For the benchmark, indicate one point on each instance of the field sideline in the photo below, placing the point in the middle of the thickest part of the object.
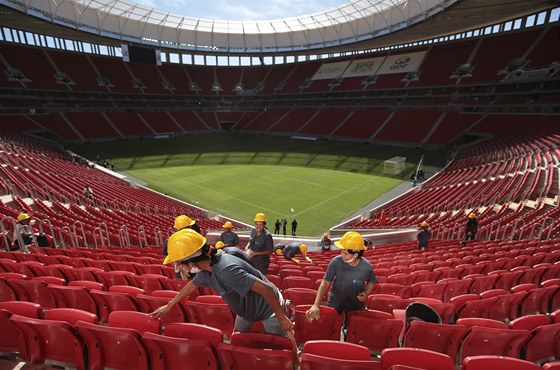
(238, 175)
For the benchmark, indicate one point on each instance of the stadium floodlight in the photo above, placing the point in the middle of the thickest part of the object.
(464, 70)
(138, 84)
(193, 86)
(168, 85)
(394, 166)
(63, 79)
(16, 75)
(217, 87)
(104, 82)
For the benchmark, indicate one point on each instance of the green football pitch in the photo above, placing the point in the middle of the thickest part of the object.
(318, 183)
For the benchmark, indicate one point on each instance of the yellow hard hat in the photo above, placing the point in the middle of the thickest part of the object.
(303, 248)
(325, 235)
(23, 216)
(228, 225)
(472, 215)
(278, 251)
(183, 221)
(424, 224)
(219, 245)
(183, 244)
(351, 240)
(260, 217)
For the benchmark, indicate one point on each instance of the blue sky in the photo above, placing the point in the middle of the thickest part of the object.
(240, 10)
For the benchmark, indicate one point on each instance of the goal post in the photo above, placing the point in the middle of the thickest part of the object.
(394, 166)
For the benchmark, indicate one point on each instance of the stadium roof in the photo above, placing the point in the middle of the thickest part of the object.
(356, 24)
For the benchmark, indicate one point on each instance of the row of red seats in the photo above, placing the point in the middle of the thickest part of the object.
(74, 337)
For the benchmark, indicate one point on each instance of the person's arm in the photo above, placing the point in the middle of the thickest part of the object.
(314, 312)
(363, 295)
(185, 292)
(267, 292)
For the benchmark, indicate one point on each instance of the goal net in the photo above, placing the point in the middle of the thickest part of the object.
(394, 166)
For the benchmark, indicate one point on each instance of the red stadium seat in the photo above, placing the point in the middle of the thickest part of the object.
(48, 339)
(33, 291)
(149, 304)
(73, 297)
(326, 328)
(439, 338)
(375, 330)
(108, 302)
(300, 296)
(217, 315)
(529, 322)
(491, 341)
(415, 357)
(497, 362)
(261, 341)
(236, 357)
(168, 353)
(110, 347)
(543, 345)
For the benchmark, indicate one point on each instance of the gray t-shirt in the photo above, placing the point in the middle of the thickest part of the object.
(229, 239)
(233, 279)
(291, 250)
(347, 282)
(261, 243)
(234, 251)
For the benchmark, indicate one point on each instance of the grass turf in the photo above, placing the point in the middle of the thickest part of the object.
(238, 175)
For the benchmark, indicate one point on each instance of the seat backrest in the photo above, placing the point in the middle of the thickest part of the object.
(376, 332)
(261, 341)
(316, 362)
(104, 342)
(48, 339)
(9, 332)
(6, 292)
(71, 315)
(245, 358)
(139, 321)
(299, 296)
(469, 322)
(89, 285)
(216, 315)
(149, 303)
(481, 340)
(194, 331)
(386, 302)
(479, 308)
(441, 338)
(133, 291)
(73, 297)
(337, 349)
(169, 353)
(497, 362)
(327, 327)
(33, 291)
(421, 358)
(543, 345)
(529, 322)
(22, 308)
(108, 302)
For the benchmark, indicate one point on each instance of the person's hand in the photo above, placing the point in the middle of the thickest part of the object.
(160, 311)
(362, 297)
(295, 260)
(286, 324)
(249, 253)
(308, 259)
(313, 313)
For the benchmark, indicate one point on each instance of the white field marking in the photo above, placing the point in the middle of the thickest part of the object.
(331, 198)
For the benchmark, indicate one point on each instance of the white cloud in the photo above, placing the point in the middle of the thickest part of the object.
(241, 10)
